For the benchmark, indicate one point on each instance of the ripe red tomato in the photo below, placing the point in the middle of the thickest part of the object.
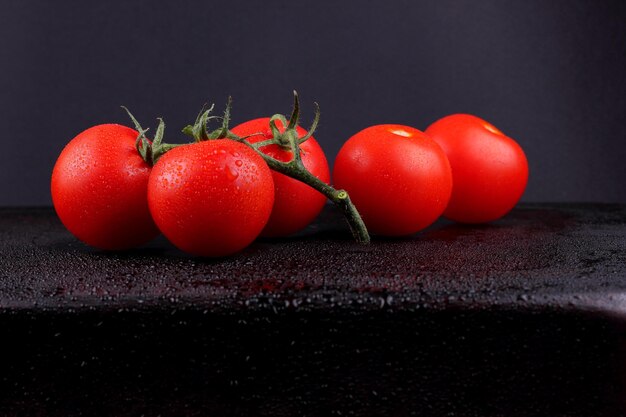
(398, 178)
(489, 169)
(211, 198)
(295, 204)
(99, 187)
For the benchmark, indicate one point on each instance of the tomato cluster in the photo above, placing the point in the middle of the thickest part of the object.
(115, 189)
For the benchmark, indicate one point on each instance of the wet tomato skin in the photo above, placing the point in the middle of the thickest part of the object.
(398, 178)
(211, 198)
(489, 169)
(296, 204)
(99, 189)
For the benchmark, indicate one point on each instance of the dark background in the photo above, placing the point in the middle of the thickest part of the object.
(551, 74)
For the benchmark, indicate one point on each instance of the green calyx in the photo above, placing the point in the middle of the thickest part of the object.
(289, 136)
(199, 131)
(289, 140)
(150, 151)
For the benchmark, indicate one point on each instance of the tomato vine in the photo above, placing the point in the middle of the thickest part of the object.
(289, 140)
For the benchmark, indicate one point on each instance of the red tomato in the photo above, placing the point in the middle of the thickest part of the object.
(296, 204)
(211, 198)
(398, 178)
(99, 187)
(489, 169)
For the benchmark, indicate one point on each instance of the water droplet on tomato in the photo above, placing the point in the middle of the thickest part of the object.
(239, 162)
(231, 173)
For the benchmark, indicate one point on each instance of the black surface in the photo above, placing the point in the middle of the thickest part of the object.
(524, 317)
(548, 73)
(538, 255)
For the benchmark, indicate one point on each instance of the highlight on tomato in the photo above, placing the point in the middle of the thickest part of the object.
(489, 169)
(398, 178)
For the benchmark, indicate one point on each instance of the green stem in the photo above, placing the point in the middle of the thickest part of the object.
(295, 169)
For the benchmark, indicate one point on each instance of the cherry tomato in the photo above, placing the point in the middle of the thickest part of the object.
(296, 204)
(398, 178)
(211, 198)
(99, 187)
(489, 169)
